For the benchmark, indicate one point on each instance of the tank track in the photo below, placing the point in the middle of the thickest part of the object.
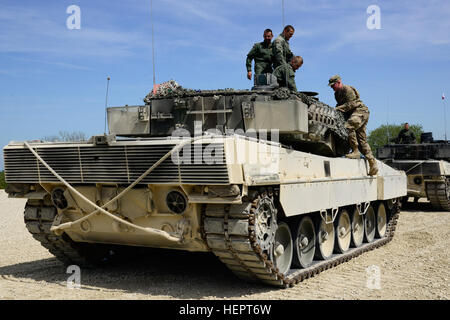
(326, 115)
(38, 220)
(437, 194)
(229, 231)
(235, 245)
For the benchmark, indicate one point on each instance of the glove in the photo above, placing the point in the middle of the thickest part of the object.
(339, 108)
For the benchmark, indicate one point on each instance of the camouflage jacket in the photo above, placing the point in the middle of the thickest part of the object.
(262, 55)
(348, 100)
(285, 76)
(281, 51)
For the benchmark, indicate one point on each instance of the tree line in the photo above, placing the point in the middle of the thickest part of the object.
(62, 136)
(65, 136)
(2, 180)
(385, 134)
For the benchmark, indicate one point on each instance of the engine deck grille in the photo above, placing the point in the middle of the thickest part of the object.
(120, 164)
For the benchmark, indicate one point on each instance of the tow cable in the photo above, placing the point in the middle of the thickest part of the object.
(168, 236)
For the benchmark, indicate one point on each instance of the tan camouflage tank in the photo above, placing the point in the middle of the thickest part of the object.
(253, 176)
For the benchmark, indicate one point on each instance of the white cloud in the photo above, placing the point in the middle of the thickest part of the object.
(225, 29)
(27, 31)
(406, 26)
(55, 63)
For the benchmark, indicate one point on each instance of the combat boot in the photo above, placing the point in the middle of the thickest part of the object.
(373, 168)
(354, 154)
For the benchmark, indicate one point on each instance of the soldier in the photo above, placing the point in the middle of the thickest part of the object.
(262, 54)
(357, 113)
(406, 135)
(281, 52)
(285, 73)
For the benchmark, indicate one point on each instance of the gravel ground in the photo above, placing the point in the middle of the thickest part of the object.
(415, 265)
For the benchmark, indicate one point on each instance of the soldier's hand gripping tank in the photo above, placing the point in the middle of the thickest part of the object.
(357, 113)
(262, 54)
(285, 73)
(281, 52)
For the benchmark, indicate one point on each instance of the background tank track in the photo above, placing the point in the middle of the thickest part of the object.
(39, 216)
(322, 118)
(438, 194)
(237, 248)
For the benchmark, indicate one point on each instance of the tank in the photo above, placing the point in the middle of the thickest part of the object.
(427, 165)
(254, 176)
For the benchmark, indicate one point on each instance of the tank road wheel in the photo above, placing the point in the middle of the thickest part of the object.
(324, 240)
(343, 232)
(282, 248)
(357, 228)
(265, 223)
(381, 221)
(304, 243)
(370, 224)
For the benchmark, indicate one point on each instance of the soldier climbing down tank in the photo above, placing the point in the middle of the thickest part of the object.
(262, 54)
(285, 73)
(357, 115)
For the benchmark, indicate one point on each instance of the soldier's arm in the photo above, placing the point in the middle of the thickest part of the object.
(400, 137)
(278, 53)
(280, 75)
(291, 84)
(289, 56)
(351, 101)
(250, 57)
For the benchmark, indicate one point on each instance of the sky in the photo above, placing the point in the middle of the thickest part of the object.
(53, 78)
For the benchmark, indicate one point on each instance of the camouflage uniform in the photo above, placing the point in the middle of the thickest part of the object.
(262, 54)
(285, 76)
(281, 52)
(358, 115)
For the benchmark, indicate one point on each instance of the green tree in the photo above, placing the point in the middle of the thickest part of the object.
(2, 180)
(387, 133)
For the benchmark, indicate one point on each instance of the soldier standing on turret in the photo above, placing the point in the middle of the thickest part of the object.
(281, 52)
(348, 101)
(262, 54)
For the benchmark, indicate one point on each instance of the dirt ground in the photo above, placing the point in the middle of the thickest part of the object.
(415, 265)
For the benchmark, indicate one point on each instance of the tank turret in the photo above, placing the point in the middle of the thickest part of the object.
(298, 120)
(427, 149)
(427, 165)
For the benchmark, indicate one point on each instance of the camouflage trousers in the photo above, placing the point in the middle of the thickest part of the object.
(356, 126)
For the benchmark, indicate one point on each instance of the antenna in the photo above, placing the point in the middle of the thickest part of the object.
(153, 42)
(387, 121)
(106, 100)
(445, 115)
